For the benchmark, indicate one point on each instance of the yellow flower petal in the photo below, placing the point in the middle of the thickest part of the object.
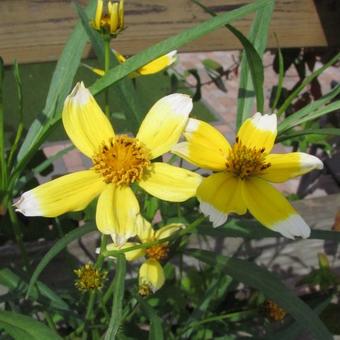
(114, 18)
(99, 13)
(164, 123)
(151, 274)
(286, 166)
(131, 255)
(117, 211)
(259, 131)
(206, 146)
(269, 206)
(84, 121)
(158, 64)
(121, 59)
(144, 229)
(71, 192)
(170, 183)
(221, 194)
(168, 230)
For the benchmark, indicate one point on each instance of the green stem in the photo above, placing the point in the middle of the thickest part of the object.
(3, 165)
(18, 236)
(107, 51)
(235, 316)
(20, 128)
(92, 298)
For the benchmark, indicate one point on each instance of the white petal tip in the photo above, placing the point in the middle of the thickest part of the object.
(311, 162)
(265, 121)
(293, 226)
(192, 125)
(216, 217)
(181, 104)
(28, 205)
(80, 94)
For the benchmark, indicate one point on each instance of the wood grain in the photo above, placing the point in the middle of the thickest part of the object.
(36, 30)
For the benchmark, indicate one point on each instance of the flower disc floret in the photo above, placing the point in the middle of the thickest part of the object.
(246, 161)
(158, 252)
(123, 160)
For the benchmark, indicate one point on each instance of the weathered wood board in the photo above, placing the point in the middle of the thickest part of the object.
(36, 30)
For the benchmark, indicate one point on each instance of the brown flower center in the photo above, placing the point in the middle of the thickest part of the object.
(122, 161)
(243, 161)
(158, 252)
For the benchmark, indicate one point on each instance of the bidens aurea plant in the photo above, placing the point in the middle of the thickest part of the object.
(177, 282)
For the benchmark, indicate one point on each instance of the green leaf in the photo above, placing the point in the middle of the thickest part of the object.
(40, 292)
(254, 230)
(56, 249)
(323, 131)
(173, 43)
(59, 88)
(156, 328)
(201, 309)
(266, 282)
(294, 330)
(118, 296)
(254, 60)
(304, 83)
(22, 327)
(124, 88)
(248, 87)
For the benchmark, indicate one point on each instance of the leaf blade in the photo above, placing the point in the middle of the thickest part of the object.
(270, 285)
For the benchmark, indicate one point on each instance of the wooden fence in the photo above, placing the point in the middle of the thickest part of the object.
(36, 30)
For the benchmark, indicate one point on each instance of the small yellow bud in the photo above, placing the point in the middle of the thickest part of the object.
(109, 20)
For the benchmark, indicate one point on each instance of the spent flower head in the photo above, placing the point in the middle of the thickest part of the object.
(89, 278)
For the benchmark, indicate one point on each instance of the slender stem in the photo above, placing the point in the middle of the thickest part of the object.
(107, 50)
(236, 316)
(20, 128)
(18, 236)
(92, 298)
(3, 165)
(189, 229)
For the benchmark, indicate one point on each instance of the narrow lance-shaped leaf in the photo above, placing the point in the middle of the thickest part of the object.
(310, 111)
(156, 328)
(323, 131)
(253, 59)
(124, 89)
(305, 82)
(118, 295)
(266, 282)
(258, 36)
(60, 86)
(22, 327)
(173, 43)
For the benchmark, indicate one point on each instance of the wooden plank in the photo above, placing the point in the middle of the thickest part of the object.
(35, 31)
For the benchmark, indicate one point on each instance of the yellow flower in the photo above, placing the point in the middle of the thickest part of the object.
(151, 274)
(154, 66)
(118, 161)
(242, 172)
(109, 21)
